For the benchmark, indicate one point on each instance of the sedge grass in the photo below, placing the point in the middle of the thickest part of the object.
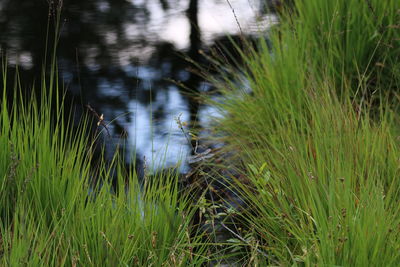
(318, 138)
(52, 214)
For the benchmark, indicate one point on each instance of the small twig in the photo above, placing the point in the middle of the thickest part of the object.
(234, 14)
(100, 119)
(181, 125)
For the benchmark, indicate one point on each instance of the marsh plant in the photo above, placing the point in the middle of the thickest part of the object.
(317, 137)
(52, 214)
(311, 155)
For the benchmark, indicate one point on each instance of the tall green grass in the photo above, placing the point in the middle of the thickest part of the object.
(318, 138)
(52, 214)
(356, 43)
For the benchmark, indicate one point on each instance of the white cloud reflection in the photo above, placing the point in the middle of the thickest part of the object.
(216, 18)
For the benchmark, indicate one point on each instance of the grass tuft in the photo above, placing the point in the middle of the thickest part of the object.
(52, 214)
(317, 137)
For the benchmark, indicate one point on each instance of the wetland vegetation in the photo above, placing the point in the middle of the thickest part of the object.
(308, 173)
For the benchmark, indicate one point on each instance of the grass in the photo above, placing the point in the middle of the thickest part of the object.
(315, 146)
(53, 214)
(317, 139)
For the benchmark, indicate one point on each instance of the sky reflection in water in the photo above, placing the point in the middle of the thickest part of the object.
(118, 55)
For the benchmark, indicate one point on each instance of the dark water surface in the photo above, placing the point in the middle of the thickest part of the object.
(120, 56)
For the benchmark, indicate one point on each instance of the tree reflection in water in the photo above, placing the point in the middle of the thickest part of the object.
(120, 57)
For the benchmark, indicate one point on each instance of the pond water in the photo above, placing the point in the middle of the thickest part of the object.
(123, 56)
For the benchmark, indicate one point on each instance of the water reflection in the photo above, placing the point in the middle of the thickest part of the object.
(120, 56)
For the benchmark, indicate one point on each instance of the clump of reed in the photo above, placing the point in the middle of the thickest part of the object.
(317, 137)
(51, 212)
